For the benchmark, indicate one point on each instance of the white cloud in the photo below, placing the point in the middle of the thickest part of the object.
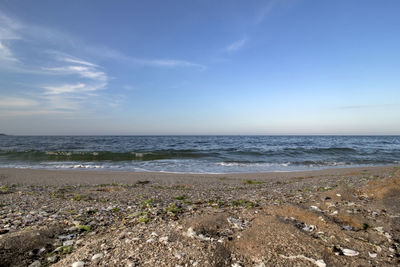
(8, 28)
(236, 45)
(6, 54)
(66, 88)
(82, 71)
(79, 61)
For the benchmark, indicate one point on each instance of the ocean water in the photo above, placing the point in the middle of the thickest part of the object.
(198, 154)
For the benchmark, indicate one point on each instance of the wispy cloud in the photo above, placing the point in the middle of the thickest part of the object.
(6, 54)
(82, 71)
(77, 78)
(236, 45)
(71, 77)
(264, 11)
(169, 63)
(9, 28)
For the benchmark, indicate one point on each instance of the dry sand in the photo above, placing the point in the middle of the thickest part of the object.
(330, 217)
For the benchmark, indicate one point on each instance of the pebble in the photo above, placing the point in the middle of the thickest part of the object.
(309, 228)
(372, 255)
(78, 264)
(97, 256)
(315, 208)
(68, 243)
(349, 252)
(237, 223)
(52, 259)
(35, 264)
(180, 255)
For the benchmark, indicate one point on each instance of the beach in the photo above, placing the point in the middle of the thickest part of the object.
(342, 216)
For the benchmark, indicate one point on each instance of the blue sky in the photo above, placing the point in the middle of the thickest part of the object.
(200, 67)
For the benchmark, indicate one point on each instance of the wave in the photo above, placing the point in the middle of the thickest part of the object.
(35, 155)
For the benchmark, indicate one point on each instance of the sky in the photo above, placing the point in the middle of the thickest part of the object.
(199, 67)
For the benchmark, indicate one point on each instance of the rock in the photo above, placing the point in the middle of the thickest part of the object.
(349, 252)
(35, 264)
(78, 264)
(97, 256)
(66, 237)
(68, 243)
(52, 259)
(122, 235)
(347, 227)
(4, 231)
(372, 255)
(154, 234)
(237, 223)
(309, 228)
(315, 208)
(180, 255)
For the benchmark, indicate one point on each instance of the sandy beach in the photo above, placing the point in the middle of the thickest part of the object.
(331, 217)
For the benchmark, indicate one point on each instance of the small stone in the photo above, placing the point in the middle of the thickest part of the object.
(372, 255)
(35, 264)
(347, 227)
(97, 256)
(78, 264)
(349, 252)
(122, 235)
(315, 208)
(179, 255)
(52, 259)
(68, 243)
(309, 228)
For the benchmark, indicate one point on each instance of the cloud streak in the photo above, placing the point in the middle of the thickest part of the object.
(264, 11)
(6, 54)
(236, 45)
(169, 63)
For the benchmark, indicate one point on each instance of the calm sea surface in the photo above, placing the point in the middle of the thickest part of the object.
(197, 154)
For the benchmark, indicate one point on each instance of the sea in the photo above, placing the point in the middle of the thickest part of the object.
(197, 154)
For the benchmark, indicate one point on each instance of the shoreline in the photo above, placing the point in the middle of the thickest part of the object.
(92, 177)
